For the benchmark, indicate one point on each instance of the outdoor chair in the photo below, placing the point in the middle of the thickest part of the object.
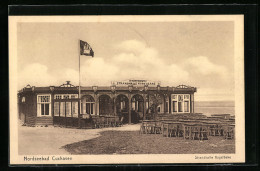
(107, 124)
(121, 121)
(218, 130)
(116, 121)
(195, 132)
(180, 131)
(110, 121)
(102, 122)
(113, 121)
(95, 123)
(204, 133)
(212, 130)
(187, 132)
(172, 131)
(165, 131)
(142, 128)
(158, 127)
(150, 128)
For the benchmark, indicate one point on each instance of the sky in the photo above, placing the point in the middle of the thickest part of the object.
(194, 53)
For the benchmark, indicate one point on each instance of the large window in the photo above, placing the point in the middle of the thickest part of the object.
(43, 105)
(181, 103)
(90, 107)
(64, 106)
(68, 109)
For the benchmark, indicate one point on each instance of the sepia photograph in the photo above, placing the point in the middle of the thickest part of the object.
(126, 89)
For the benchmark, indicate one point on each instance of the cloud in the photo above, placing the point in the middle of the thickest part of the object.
(202, 65)
(35, 74)
(96, 71)
(136, 61)
(39, 75)
(69, 75)
(131, 45)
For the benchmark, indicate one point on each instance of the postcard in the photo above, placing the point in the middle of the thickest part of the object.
(133, 89)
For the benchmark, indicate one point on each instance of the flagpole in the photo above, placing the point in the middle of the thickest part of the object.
(79, 86)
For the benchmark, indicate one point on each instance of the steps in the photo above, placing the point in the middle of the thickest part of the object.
(30, 120)
(44, 121)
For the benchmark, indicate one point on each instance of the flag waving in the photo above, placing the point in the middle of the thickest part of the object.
(85, 49)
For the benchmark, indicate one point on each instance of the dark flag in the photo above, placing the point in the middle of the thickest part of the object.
(85, 49)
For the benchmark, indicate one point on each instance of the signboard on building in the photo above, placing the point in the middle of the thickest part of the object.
(136, 83)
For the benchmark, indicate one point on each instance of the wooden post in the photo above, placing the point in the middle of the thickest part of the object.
(170, 104)
(114, 103)
(144, 116)
(129, 108)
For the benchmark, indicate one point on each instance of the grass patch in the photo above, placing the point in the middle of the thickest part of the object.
(131, 142)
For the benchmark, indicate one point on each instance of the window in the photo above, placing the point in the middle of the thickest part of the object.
(180, 98)
(123, 106)
(174, 96)
(23, 99)
(68, 109)
(174, 104)
(58, 97)
(89, 108)
(56, 108)
(75, 109)
(159, 109)
(43, 105)
(65, 108)
(186, 96)
(62, 109)
(74, 96)
(66, 96)
(186, 106)
(133, 105)
(44, 99)
(147, 105)
(181, 103)
(88, 105)
(180, 107)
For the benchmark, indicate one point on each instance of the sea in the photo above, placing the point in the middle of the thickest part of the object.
(214, 107)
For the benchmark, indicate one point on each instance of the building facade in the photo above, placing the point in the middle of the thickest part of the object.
(132, 99)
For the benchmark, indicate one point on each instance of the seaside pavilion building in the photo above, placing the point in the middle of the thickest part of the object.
(132, 99)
